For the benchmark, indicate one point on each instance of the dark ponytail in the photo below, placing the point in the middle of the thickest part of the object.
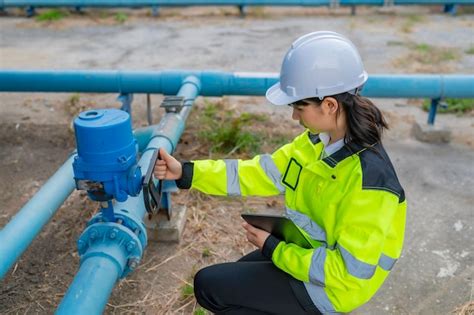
(365, 122)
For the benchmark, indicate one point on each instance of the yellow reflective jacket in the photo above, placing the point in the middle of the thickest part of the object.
(350, 205)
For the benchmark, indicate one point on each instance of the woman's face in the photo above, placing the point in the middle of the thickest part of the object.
(316, 118)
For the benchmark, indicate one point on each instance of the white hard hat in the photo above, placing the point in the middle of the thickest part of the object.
(318, 64)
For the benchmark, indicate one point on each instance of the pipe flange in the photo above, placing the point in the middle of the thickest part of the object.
(124, 218)
(114, 241)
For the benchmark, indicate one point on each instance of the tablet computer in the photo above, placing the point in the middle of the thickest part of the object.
(279, 226)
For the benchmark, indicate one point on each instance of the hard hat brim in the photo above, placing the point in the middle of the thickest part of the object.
(277, 97)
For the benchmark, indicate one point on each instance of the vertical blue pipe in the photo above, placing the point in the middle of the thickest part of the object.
(450, 8)
(433, 109)
(17, 235)
(93, 284)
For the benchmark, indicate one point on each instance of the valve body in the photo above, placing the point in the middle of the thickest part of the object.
(106, 162)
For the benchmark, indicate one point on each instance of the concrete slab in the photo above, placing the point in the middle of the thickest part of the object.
(431, 133)
(159, 228)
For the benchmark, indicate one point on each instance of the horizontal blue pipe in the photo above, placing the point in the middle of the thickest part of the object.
(141, 3)
(215, 83)
(95, 278)
(93, 284)
(419, 86)
(17, 235)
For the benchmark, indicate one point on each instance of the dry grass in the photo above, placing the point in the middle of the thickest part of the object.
(213, 234)
(410, 22)
(466, 309)
(424, 58)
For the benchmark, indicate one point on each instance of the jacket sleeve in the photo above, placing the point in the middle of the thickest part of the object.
(260, 176)
(365, 218)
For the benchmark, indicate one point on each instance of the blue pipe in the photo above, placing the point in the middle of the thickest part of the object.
(143, 135)
(16, 236)
(98, 273)
(98, 277)
(154, 3)
(215, 83)
(432, 111)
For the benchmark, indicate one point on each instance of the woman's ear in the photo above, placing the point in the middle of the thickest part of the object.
(330, 105)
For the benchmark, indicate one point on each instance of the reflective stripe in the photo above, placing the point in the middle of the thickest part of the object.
(386, 262)
(316, 270)
(356, 267)
(232, 172)
(271, 170)
(320, 298)
(309, 226)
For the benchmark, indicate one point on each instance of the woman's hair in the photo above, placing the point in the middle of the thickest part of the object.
(365, 122)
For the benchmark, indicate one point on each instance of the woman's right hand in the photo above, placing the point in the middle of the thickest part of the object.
(167, 167)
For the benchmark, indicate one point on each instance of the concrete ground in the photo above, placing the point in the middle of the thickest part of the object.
(434, 274)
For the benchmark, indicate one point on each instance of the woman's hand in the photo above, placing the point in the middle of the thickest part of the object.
(167, 167)
(255, 235)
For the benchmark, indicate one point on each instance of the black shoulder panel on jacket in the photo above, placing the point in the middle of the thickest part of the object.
(378, 171)
(314, 137)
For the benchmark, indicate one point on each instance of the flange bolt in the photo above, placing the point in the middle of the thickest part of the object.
(133, 263)
(113, 234)
(130, 246)
(93, 234)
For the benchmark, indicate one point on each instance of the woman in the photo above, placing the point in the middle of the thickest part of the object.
(340, 189)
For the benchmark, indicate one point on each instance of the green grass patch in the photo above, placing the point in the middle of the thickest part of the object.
(227, 132)
(121, 17)
(423, 48)
(430, 55)
(470, 50)
(395, 43)
(51, 15)
(187, 291)
(74, 99)
(200, 311)
(103, 14)
(410, 22)
(258, 12)
(415, 18)
(453, 105)
(217, 130)
(206, 252)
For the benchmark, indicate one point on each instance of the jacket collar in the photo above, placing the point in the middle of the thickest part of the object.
(346, 151)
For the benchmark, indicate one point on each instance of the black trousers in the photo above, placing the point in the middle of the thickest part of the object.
(252, 285)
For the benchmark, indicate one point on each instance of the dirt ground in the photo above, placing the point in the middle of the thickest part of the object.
(36, 138)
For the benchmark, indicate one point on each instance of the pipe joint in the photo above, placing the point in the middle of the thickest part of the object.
(162, 135)
(192, 79)
(122, 241)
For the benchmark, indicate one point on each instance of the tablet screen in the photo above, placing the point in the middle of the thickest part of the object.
(279, 226)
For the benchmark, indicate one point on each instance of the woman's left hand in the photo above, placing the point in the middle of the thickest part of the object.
(255, 235)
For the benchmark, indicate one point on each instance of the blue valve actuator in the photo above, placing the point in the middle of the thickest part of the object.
(106, 161)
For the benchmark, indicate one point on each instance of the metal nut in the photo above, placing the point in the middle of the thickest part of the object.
(130, 246)
(113, 234)
(133, 263)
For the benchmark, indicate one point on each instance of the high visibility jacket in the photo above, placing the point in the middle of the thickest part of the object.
(349, 205)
